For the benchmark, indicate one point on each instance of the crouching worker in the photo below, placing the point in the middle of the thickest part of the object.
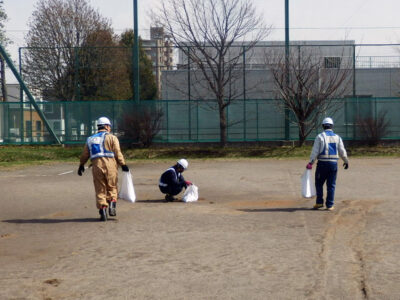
(105, 154)
(172, 182)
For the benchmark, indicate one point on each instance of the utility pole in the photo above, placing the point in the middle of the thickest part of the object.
(135, 52)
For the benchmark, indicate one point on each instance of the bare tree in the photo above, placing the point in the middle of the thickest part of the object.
(57, 30)
(211, 34)
(143, 123)
(308, 84)
(373, 130)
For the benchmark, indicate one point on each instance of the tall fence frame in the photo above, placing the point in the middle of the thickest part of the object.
(183, 121)
(188, 117)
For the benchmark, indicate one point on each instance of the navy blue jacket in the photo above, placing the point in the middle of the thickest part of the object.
(172, 182)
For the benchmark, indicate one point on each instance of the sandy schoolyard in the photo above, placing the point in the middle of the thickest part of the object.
(250, 235)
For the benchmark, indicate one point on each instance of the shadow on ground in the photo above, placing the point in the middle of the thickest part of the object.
(53, 221)
(276, 209)
(152, 201)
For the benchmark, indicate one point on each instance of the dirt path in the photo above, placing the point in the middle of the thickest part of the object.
(251, 235)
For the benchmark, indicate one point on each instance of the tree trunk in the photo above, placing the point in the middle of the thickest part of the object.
(3, 79)
(222, 126)
(301, 141)
(302, 136)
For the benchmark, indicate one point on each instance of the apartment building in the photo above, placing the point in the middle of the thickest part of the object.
(159, 49)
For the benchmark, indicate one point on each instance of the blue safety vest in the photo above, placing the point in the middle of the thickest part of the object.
(96, 146)
(331, 145)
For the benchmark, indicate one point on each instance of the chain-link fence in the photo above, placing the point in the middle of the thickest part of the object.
(69, 89)
(186, 121)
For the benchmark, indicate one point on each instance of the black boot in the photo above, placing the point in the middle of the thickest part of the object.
(103, 214)
(112, 209)
(169, 198)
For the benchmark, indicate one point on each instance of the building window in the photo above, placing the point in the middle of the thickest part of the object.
(332, 62)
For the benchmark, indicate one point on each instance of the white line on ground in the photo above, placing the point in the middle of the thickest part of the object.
(65, 173)
(38, 175)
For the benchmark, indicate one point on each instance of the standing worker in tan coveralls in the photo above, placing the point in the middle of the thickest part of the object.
(105, 154)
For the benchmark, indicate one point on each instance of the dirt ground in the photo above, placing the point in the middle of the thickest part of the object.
(250, 236)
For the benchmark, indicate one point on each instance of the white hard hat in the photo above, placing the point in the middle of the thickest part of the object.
(183, 162)
(327, 121)
(103, 121)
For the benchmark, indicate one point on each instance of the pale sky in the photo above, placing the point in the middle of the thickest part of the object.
(365, 21)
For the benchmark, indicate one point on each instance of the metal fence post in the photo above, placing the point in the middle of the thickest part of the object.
(90, 118)
(21, 98)
(257, 123)
(354, 71)
(227, 123)
(197, 120)
(167, 110)
(355, 115)
(346, 121)
(287, 124)
(188, 69)
(7, 124)
(135, 53)
(65, 121)
(244, 94)
(31, 116)
(189, 97)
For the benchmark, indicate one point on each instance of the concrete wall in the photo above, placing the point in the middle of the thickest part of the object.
(260, 84)
(378, 82)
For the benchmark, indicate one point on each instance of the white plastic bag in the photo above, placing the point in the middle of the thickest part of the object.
(191, 194)
(127, 192)
(307, 184)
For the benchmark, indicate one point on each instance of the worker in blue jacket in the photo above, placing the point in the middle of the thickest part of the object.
(172, 182)
(328, 147)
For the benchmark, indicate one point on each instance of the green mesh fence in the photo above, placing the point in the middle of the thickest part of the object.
(183, 121)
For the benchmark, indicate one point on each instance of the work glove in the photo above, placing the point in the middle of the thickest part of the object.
(309, 166)
(346, 166)
(81, 170)
(125, 168)
(188, 183)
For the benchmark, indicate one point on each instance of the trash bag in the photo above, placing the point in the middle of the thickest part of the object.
(127, 191)
(307, 185)
(191, 194)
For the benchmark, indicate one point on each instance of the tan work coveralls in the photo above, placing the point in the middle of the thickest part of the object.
(105, 170)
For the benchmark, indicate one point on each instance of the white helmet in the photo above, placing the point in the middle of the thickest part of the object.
(103, 121)
(183, 162)
(327, 121)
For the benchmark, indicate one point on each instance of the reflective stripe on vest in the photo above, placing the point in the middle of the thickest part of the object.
(176, 176)
(96, 146)
(331, 145)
